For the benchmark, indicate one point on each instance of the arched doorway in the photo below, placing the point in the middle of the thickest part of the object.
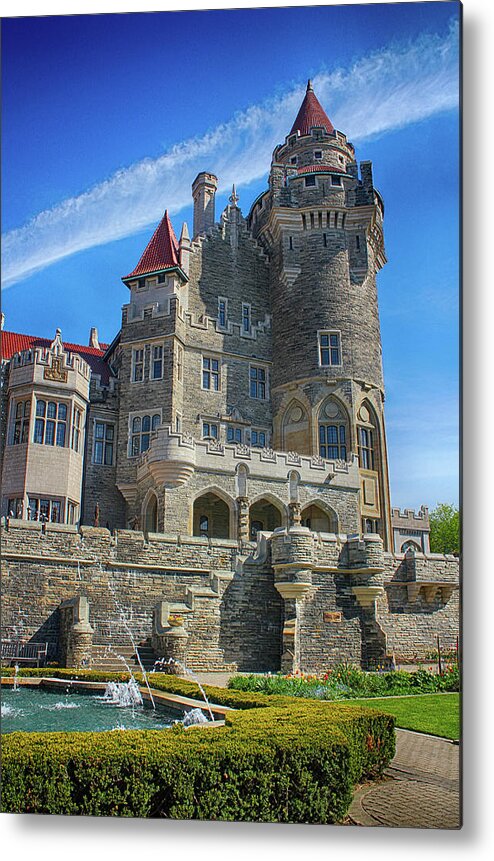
(319, 519)
(211, 516)
(264, 516)
(151, 514)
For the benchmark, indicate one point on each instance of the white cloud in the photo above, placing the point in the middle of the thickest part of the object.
(387, 90)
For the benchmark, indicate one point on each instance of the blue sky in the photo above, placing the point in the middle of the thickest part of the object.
(107, 119)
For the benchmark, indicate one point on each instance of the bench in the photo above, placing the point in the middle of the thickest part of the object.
(24, 653)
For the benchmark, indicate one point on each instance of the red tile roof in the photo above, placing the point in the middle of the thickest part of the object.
(161, 251)
(311, 114)
(320, 168)
(14, 342)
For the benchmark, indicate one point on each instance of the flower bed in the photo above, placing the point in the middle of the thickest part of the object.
(346, 682)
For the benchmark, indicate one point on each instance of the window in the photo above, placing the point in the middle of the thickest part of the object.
(357, 243)
(103, 443)
(222, 312)
(294, 159)
(46, 510)
(234, 434)
(336, 180)
(365, 448)
(15, 507)
(318, 154)
(325, 240)
(137, 366)
(156, 362)
(76, 430)
(178, 423)
(290, 243)
(50, 426)
(71, 512)
(209, 431)
(258, 383)
(20, 430)
(310, 181)
(329, 349)
(258, 439)
(180, 363)
(210, 374)
(140, 432)
(203, 525)
(332, 441)
(245, 317)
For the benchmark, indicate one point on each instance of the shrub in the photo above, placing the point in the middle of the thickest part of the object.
(277, 759)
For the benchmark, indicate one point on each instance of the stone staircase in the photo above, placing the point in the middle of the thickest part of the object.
(374, 651)
(104, 660)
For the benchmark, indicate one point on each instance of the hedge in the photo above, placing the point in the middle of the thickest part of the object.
(277, 759)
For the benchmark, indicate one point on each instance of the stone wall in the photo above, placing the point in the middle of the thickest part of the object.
(350, 602)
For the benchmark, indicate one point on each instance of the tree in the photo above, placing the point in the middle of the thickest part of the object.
(445, 528)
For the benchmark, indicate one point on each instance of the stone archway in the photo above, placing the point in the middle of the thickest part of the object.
(211, 516)
(150, 518)
(264, 516)
(319, 518)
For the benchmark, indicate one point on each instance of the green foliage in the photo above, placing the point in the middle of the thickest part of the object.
(346, 681)
(445, 529)
(436, 714)
(277, 759)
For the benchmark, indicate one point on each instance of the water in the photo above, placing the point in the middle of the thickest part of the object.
(35, 710)
(162, 663)
(131, 638)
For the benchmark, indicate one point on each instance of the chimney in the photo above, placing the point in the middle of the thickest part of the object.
(93, 338)
(203, 192)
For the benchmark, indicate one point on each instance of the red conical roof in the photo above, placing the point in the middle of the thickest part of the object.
(161, 251)
(311, 114)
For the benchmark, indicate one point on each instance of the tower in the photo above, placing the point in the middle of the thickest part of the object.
(321, 225)
(203, 193)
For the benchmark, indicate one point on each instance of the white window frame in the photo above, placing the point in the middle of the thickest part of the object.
(320, 347)
(152, 360)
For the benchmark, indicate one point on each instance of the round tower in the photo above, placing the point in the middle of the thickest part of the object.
(320, 222)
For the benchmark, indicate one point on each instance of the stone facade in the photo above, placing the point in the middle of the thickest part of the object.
(222, 464)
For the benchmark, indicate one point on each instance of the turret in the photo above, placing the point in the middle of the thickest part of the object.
(203, 192)
(321, 226)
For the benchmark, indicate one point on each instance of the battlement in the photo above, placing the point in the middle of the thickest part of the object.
(174, 456)
(409, 519)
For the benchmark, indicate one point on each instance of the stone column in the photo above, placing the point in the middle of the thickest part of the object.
(292, 561)
(80, 645)
(243, 518)
(294, 509)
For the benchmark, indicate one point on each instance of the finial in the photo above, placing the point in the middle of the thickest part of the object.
(309, 86)
(234, 198)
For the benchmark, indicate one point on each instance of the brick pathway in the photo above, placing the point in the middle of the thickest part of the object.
(421, 788)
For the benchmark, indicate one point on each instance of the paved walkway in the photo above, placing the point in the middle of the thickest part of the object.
(421, 788)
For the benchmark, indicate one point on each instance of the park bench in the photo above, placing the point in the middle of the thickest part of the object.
(16, 653)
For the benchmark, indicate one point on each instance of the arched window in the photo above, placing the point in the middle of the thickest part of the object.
(203, 525)
(255, 527)
(368, 437)
(141, 428)
(333, 431)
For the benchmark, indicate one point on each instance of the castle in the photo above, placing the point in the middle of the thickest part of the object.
(226, 454)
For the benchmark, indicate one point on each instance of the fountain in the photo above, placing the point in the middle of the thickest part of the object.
(123, 694)
(16, 677)
(134, 645)
(162, 663)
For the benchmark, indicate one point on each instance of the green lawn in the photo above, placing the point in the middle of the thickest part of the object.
(436, 714)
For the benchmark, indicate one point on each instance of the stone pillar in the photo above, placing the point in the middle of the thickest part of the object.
(80, 646)
(243, 518)
(294, 509)
(292, 561)
(173, 645)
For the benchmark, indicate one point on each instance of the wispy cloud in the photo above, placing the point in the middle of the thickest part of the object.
(387, 90)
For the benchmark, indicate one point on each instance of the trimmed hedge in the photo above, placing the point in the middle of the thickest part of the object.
(277, 759)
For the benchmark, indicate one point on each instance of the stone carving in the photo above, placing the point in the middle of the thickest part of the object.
(56, 372)
(293, 457)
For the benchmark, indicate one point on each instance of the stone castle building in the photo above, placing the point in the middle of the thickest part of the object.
(237, 419)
